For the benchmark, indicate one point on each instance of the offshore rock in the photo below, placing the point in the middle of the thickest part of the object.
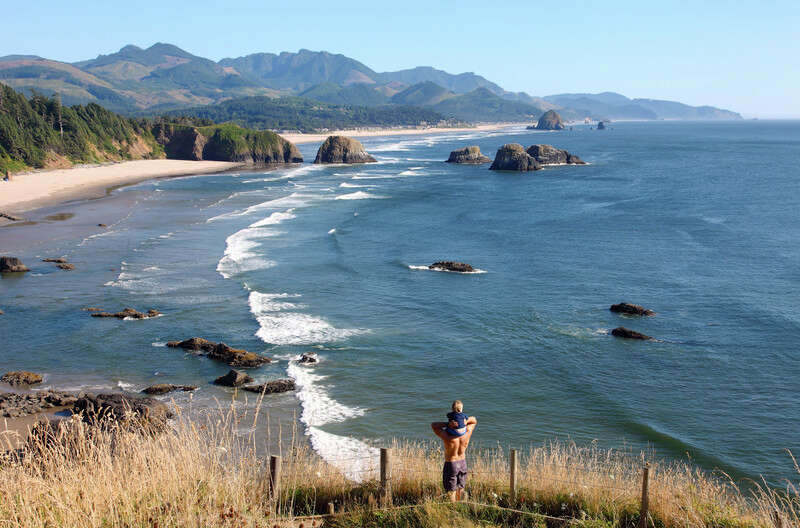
(138, 413)
(309, 358)
(471, 155)
(128, 312)
(193, 343)
(20, 377)
(550, 121)
(12, 265)
(55, 260)
(341, 149)
(164, 388)
(236, 357)
(549, 155)
(630, 309)
(512, 157)
(272, 387)
(449, 265)
(66, 266)
(621, 331)
(234, 378)
(601, 125)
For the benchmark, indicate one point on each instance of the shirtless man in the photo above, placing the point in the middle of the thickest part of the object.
(454, 473)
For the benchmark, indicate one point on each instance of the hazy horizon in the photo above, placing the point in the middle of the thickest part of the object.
(726, 55)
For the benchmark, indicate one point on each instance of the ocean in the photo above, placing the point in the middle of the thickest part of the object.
(698, 221)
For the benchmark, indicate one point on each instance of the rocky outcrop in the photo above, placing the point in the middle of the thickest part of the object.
(66, 266)
(55, 260)
(226, 142)
(549, 155)
(309, 358)
(12, 265)
(512, 157)
(234, 378)
(14, 404)
(550, 121)
(164, 388)
(449, 265)
(193, 343)
(128, 312)
(20, 377)
(627, 333)
(468, 155)
(146, 414)
(341, 149)
(236, 357)
(630, 309)
(272, 387)
(601, 125)
(220, 351)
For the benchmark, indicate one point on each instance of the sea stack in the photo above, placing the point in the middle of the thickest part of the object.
(548, 155)
(512, 157)
(341, 149)
(468, 155)
(550, 121)
(12, 265)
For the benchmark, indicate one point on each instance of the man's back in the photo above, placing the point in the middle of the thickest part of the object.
(455, 447)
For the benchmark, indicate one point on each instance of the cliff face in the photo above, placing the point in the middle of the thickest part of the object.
(225, 143)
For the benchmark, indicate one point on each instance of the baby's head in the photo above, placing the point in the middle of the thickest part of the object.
(458, 406)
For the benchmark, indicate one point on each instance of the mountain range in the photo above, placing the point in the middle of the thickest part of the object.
(165, 78)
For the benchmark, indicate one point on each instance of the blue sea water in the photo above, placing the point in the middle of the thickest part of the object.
(698, 221)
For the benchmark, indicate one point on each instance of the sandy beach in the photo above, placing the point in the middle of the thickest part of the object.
(33, 190)
(39, 189)
(311, 138)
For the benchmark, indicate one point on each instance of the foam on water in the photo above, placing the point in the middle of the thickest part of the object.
(239, 255)
(358, 195)
(274, 219)
(355, 458)
(352, 185)
(332, 231)
(281, 327)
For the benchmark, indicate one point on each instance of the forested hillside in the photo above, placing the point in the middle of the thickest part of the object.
(41, 132)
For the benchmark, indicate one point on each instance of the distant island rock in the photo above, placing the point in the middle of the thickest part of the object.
(468, 155)
(549, 155)
(601, 125)
(512, 157)
(627, 333)
(550, 120)
(449, 265)
(12, 265)
(341, 149)
(630, 309)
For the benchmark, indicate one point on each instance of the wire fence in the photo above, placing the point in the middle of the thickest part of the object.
(533, 483)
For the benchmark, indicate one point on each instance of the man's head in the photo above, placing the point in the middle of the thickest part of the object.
(458, 406)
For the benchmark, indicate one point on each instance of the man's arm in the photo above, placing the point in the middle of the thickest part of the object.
(438, 429)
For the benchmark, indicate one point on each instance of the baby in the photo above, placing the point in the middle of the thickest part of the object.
(459, 417)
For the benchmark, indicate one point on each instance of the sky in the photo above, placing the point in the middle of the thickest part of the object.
(736, 55)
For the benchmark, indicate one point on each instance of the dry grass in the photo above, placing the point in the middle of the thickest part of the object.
(205, 472)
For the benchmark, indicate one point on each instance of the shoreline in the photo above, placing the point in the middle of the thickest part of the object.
(35, 190)
(39, 189)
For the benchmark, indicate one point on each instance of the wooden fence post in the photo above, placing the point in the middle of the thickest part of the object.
(512, 487)
(645, 497)
(275, 479)
(386, 476)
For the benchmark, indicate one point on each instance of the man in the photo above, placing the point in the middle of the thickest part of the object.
(454, 472)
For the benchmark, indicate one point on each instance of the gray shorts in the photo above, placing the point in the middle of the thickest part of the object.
(454, 475)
